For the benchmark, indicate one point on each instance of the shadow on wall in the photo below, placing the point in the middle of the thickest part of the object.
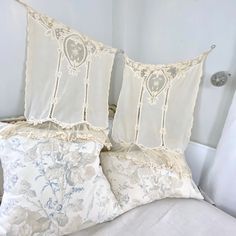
(227, 96)
(210, 163)
(1, 182)
(220, 181)
(116, 78)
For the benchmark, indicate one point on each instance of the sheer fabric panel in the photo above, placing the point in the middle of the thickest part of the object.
(67, 75)
(38, 95)
(156, 104)
(127, 109)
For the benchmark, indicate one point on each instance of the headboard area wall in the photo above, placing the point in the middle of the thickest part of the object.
(147, 33)
(163, 31)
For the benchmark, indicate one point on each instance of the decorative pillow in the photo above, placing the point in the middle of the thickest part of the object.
(2, 127)
(67, 75)
(140, 176)
(52, 186)
(156, 104)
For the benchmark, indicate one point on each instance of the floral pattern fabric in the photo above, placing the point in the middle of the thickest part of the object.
(53, 187)
(140, 176)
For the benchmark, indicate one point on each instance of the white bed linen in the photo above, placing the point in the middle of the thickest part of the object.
(168, 217)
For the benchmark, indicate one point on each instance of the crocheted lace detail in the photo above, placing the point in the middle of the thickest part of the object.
(52, 130)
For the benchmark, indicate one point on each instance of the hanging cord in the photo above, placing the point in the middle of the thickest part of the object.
(213, 46)
(206, 53)
(22, 3)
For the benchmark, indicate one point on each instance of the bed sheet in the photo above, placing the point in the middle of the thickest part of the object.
(168, 217)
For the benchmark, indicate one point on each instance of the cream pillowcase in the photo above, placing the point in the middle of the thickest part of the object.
(67, 75)
(140, 176)
(52, 186)
(156, 104)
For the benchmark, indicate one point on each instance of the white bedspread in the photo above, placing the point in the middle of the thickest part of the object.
(168, 217)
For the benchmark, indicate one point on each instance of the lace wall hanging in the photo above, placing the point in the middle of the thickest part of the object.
(67, 75)
(156, 103)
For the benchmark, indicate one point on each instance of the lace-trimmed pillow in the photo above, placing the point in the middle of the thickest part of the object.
(52, 186)
(156, 104)
(67, 75)
(139, 177)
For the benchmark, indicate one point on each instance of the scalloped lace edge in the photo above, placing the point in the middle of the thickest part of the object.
(51, 130)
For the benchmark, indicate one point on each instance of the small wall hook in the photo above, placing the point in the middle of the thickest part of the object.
(213, 46)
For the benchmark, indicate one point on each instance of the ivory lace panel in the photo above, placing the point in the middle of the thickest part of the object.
(67, 75)
(51, 130)
(156, 104)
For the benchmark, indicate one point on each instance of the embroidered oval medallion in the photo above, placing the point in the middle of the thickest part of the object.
(155, 84)
(75, 50)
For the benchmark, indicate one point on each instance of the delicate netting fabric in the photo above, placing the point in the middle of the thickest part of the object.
(156, 104)
(67, 75)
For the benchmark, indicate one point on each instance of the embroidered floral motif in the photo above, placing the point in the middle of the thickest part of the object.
(155, 83)
(171, 70)
(75, 50)
(76, 47)
(60, 32)
(157, 76)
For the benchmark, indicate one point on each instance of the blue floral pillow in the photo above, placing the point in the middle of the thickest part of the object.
(53, 187)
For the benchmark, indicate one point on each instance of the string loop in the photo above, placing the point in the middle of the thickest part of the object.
(22, 3)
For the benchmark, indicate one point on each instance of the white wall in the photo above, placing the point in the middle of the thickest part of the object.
(220, 180)
(151, 31)
(93, 18)
(160, 31)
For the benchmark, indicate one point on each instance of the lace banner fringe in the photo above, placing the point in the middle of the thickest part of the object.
(51, 130)
(156, 159)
